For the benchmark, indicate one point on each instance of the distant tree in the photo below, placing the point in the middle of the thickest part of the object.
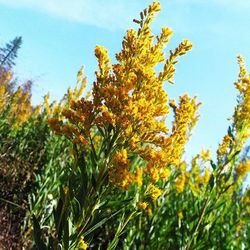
(9, 53)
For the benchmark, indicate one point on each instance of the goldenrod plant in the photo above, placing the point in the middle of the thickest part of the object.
(129, 187)
(111, 172)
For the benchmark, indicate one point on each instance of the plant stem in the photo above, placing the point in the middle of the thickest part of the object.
(12, 203)
(198, 224)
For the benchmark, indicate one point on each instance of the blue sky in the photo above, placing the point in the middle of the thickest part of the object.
(59, 37)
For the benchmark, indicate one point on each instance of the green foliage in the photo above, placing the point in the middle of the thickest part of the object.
(9, 53)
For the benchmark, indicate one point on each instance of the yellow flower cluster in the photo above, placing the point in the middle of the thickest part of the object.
(180, 215)
(119, 174)
(139, 177)
(4, 79)
(180, 183)
(172, 146)
(142, 205)
(238, 133)
(197, 180)
(205, 155)
(185, 119)
(61, 110)
(154, 191)
(79, 117)
(242, 112)
(129, 102)
(242, 169)
(83, 244)
(199, 175)
(18, 102)
(224, 146)
(246, 198)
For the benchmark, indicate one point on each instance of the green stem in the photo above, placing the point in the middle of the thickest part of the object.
(198, 224)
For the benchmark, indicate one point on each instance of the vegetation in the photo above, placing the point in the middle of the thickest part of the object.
(104, 171)
(9, 53)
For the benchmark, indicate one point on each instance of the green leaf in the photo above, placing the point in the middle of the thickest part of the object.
(100, 223)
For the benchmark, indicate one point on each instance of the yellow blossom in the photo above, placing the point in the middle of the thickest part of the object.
(164, 173)
(180, 215)
(243, 168)
(125, 179)
(205, 155)
(65, 190)
(139, 176)
(46, 103)
(206, 176)
(194, 187)
(242, 111)
(223, 147)
(154, 174)
(142, 205)
(8, 76)
(54, 124)
(180, 183)
(97, 139)
(185, 119)
(121, 157)
(129, 105)
(239, 225)
(82, 243)
(153, 191)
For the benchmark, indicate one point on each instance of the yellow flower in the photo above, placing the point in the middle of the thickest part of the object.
(133, 142)
(206, 176)
(121, 157)
(129, 105)
(46, 103)
(195, 188)
(153, 191)
(142, 205)
(155, 6)
(82, 244)
(164, 173)
(223, 147)
(20, 108)
(241, 115)
(185, 119)
(180, 215)
(246, 198)
(205, 155)
(125, 179)
(243, 168)
(154, 174)
(8, 76)
(97, 139)
(82, 139)
(180, 183)
(65, 190)
(139, 176)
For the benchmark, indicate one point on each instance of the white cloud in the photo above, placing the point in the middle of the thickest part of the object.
(118, 14)
(111, 14)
